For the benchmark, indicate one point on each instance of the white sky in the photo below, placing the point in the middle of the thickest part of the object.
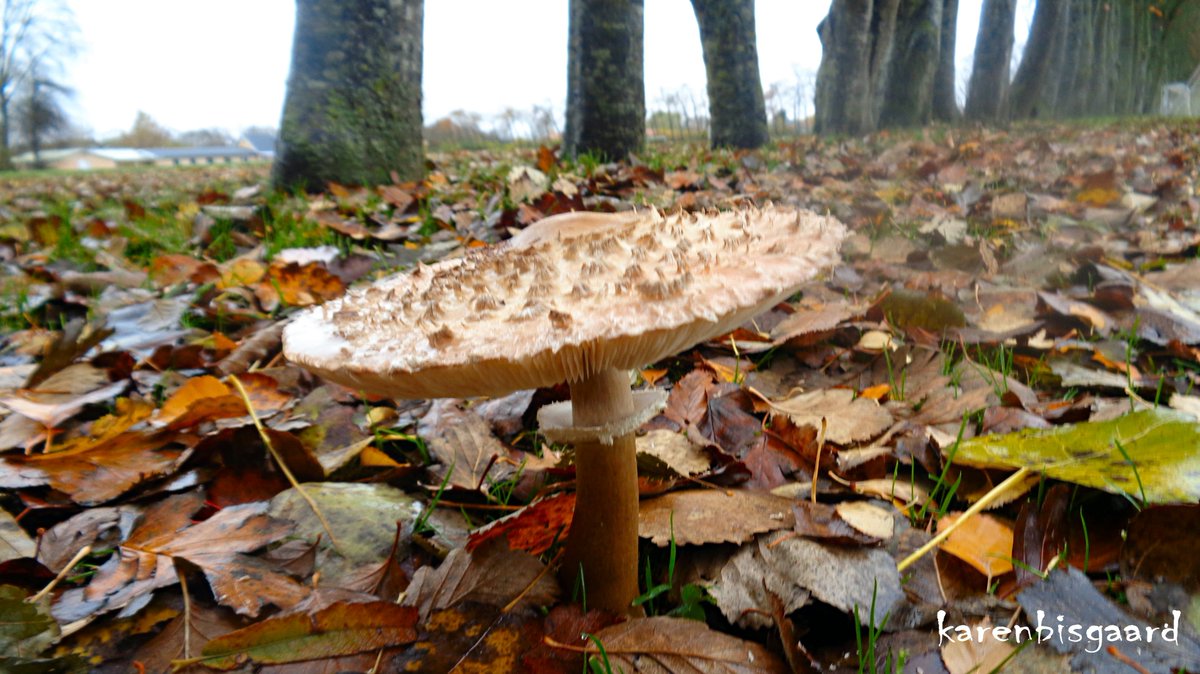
(223, 63)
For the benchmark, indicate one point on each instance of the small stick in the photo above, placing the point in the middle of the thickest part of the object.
(187, 610)
(817, 463)
(517, 599)
(979, 505)
(262, 433)
(83, 552)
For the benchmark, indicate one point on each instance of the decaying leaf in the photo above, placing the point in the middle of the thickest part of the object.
(697, 517)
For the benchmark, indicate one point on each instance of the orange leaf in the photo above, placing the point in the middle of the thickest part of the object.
(533, 528)
(192, 391)
(651, 376)
(983, 541)
(876, 392)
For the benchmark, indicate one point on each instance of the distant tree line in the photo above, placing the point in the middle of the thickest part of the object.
(889, 63)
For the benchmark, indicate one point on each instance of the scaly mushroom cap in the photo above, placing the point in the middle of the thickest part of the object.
(568, 297)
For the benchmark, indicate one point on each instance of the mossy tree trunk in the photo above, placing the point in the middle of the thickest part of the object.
(884, 15)
(987, 93)
(737, 114)
(352, 113)
(843, 92)
(908, 100)
(945, 100)
(1037, 63)
(606, 97)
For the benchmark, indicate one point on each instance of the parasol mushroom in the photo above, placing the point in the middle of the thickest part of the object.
(582, 298)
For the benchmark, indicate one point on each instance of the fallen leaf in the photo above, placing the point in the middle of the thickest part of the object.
(700, 516)
(14, 542)
(1159, 444)
(533, 528)
(464, 446)
(1068, 597)
(983, 541)
(339, 629)
(792, 568)
(674, 450)
(145, 561)
(847, 419)
(665, 644)
(491, 574)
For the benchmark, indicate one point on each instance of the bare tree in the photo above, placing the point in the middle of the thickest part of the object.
(34, 34)
(39, 112)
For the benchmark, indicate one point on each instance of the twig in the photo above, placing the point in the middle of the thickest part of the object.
(262, 433)
(817, 463)
(979, 505)
(187, 609)
(545, 569)
(83, 552)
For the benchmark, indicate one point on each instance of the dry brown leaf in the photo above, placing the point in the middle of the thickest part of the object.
(675, 450)
(146, 561)
(95, 474)
(492, 574)
(662, 645)
(697, 517)
(464, 446)
(848, 419)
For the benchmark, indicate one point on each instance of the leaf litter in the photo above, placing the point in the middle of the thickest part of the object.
(1020, 299)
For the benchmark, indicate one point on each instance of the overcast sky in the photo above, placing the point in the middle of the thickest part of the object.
(223, 63)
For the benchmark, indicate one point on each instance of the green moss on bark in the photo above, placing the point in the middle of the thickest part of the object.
(353, 108)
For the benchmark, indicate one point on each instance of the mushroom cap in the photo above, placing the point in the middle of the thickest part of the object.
(568, 297)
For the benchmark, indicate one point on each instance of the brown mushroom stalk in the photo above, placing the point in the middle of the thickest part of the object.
(581, 298)
(601, 551)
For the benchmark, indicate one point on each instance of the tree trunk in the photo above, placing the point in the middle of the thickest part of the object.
(908, 100)
(1037, 62)
(1077, 62)
(5, 151)
(737, 114)
(987, 93)
(945, 101)
(843, 93)
(353, 108)
(884, 15)
(606, 97)
(1048, 96)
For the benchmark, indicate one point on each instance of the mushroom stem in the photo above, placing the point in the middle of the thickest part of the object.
(603, 541)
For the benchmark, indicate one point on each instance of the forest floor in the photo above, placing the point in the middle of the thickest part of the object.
(1017, 307)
